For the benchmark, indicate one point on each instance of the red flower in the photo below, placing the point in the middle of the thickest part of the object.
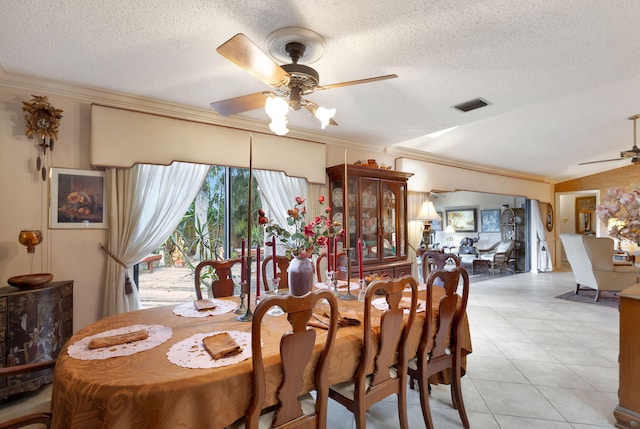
(321, 199)
(308, 231)
(299, 200)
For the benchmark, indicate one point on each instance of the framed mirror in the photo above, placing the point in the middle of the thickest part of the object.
(585, 214)
(547, 215)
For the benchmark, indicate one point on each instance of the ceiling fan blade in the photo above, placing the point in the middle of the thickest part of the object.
(237, 105)
(244, 53)
(356, 82)
(602, 160)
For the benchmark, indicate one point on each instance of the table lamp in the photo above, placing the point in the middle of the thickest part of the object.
(427, 213)
(449, 230)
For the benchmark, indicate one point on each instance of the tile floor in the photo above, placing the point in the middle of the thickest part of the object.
(537, 362)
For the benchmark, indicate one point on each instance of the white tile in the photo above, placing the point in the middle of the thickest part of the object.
(485, 348)
(495, 369)
(551, 374)
(549, 337)
(525, 351)
(516, 399)
(577, 355)
(603, 379)
(528, 423)
(580, 406)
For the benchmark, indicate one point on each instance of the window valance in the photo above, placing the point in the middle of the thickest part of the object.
(123, 138)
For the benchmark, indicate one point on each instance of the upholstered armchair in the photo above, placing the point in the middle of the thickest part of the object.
(499, 255)
(591, 260)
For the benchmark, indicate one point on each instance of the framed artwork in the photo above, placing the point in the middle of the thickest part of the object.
(77, 199)
(490, 220)
(436, 225)
(462, 220)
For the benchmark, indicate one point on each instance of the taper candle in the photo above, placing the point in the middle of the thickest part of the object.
(258, 272)
(273, 257)
(242, 261)
(360, 257)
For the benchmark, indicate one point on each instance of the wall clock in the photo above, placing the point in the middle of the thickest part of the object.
(43, 121)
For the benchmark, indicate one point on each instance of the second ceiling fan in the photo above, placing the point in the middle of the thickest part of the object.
(290, 82)
(633, 153)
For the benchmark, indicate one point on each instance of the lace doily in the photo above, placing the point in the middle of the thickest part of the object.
(381, 304)
(190, 353)
(187, 309)
(342, 286)
(158, 334)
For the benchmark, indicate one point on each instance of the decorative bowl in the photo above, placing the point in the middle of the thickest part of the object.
(30, 280)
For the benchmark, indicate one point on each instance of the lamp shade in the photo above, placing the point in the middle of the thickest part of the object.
(450, 229)
(428, 212)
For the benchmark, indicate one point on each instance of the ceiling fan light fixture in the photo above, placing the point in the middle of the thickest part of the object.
(279, 126)
(277, 108)
(324, 115)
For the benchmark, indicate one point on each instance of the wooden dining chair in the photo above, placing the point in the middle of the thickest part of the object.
(296, 350)
(267, 271)
(222, 283)
(43, 418)
(321, 266)
(385, 373)
(439, 347)
(431, 261)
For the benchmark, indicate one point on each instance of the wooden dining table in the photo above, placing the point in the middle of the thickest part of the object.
(146, 390)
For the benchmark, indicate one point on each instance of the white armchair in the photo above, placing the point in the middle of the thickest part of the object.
(591, 260)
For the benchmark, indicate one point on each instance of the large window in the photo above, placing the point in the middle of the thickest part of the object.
(212, 228)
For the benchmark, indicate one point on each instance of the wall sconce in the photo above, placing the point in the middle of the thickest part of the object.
(427, 213)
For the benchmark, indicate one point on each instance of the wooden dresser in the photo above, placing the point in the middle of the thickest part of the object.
(34, 325)
(627, 413)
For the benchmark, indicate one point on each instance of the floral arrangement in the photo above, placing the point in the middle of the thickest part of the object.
(621, 211)
(307, 238)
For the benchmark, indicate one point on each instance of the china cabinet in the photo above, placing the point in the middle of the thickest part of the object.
(376, 213)
(512, 227)
(627, 412)
(34, 325)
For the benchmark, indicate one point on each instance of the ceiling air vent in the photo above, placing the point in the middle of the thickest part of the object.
(470, 105)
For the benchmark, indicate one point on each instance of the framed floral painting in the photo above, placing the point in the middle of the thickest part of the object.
(77, 199)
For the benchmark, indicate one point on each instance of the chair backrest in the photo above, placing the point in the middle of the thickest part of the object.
(34, 418)
(579, 259)
(282, 263)
(437, 261)
(440, 335)
(391, 344)
(296, 349)
(321, 266)
(223, 284)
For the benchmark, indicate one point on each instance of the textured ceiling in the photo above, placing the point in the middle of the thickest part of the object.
(561, 76)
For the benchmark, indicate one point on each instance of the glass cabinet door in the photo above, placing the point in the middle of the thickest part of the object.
(390, 217)
(369, 219)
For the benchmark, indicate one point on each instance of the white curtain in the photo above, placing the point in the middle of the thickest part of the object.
(278, 193)
(146, 203)
(543, 253)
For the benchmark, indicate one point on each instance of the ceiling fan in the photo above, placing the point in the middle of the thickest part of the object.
(633, 153)
(291, 82)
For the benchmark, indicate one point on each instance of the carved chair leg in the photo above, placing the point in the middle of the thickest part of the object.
(456, 392)
(424, 401)
(577, 288)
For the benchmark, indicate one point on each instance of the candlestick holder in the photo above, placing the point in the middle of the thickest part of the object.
(348, 296)
(242, 308)
(248, 315)
(335, 283)
(275, 310)
(363, 290)
(329, 278)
